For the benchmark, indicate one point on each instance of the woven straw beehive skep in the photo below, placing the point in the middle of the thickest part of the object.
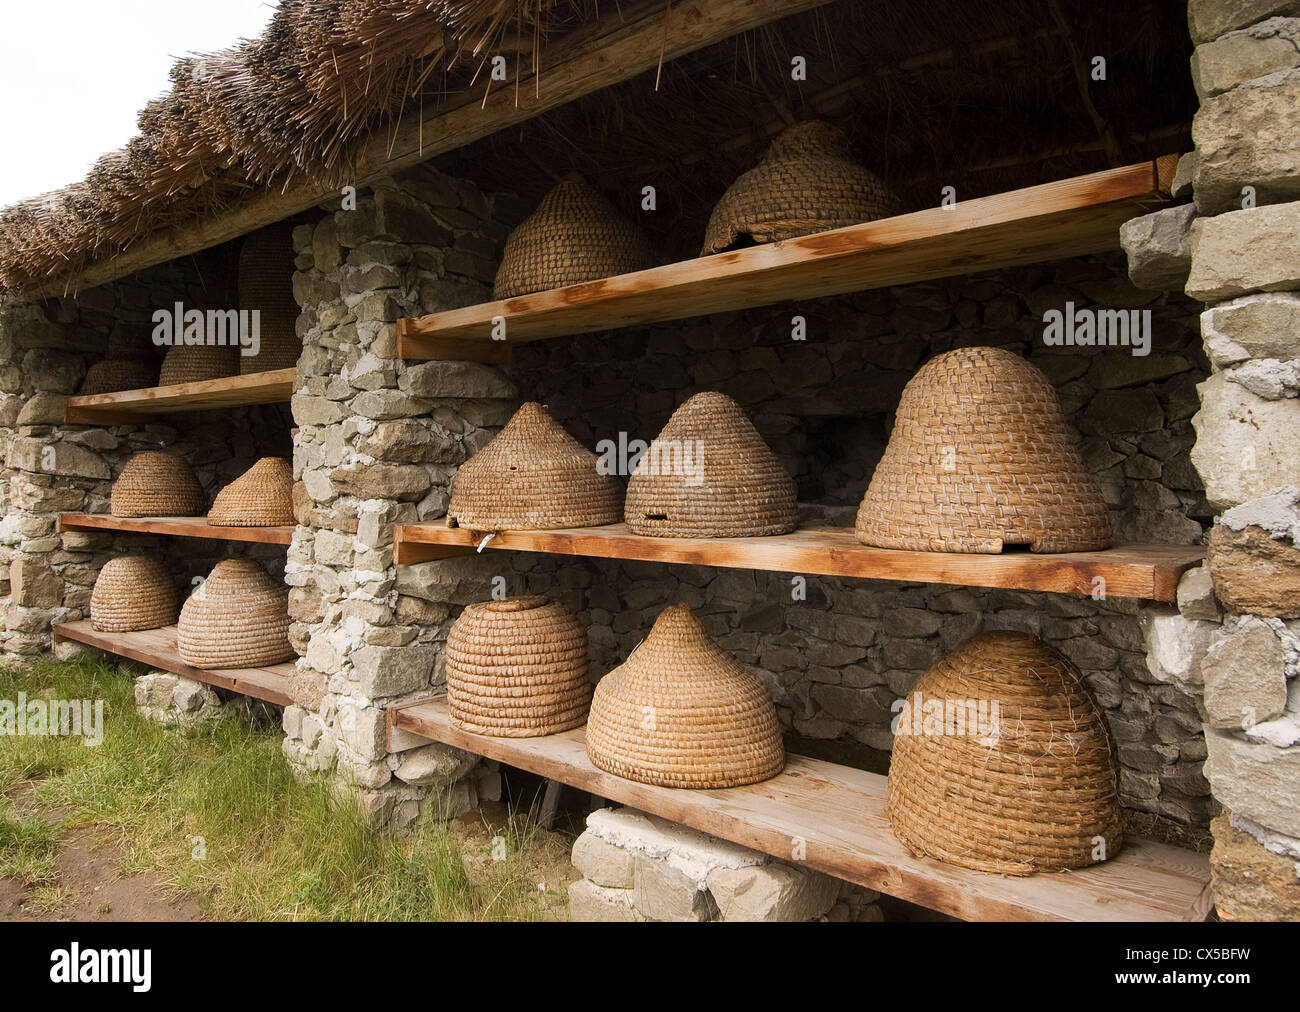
(533, 476)
(981, 457)
(156, 484)
(114, 375)
(1033, 788)
(708, 474)
(806, 183)
(679, 712)
(574, 235)
(237, 618)
(195, 363)
(517, 669)
(132, 592)
(266, 285)
(261, 497)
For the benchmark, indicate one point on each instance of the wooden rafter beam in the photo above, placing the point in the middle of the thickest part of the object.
(614, 49)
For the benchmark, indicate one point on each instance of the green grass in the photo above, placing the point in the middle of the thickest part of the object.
(217, 815)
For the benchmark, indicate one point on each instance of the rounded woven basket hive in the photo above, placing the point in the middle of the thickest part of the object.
(266, 284)
(237, 618)
(679, 712)
(709, 474)
(981, 457)
(533, 476)
(132, 592)
(517, 668)
(1031, 786)
(575, 235)
(261, 497)
(156, 484)
(807, 183)
(195, 363)
(115, 374)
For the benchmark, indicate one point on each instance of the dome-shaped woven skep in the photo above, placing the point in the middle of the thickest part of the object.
(116, 374)
(195, 363)
(709, 474)
(237, 618)
(266, 284)
(1029, 787)
(156, 484)
(517, 668)
(260, 497)
(133, 592)
(679, 712)
(806, 183)
(575, 235)
(981, 457)
(533, 476)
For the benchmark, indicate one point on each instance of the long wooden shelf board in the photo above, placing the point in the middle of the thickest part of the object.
(157, 648)
(1149, 572)
(185, 527)
(836, 816)
(1053, 221)
(126, 406)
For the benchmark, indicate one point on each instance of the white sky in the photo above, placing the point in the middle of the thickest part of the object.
(75, 73)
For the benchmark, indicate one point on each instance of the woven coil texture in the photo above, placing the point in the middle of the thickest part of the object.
(113, 375)
(574, 235)
(679, 712)
(1031, 788)
(533, 476)
(981, 457)
(517, 669)
(196, 363)
(156, 484)
(266, 284)
(237, 618)
(260, 497)
(709, 474)
(807, 183)
(133, 592)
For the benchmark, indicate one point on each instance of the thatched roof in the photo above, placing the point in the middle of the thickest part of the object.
(978, 94)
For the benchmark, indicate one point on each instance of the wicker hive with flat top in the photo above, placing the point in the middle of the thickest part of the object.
(980, 458)
(574, 235)
(709, 474)
(156, 484)
(807, 183)
(237, 618)
(1031, 787)
(517, 668)
(132, 592)
(196, 363)
(533, 476)
(261, 497)
(679, 712)
(266, 284)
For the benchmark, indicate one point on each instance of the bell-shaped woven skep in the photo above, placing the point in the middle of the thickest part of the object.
(237, 618)
(133, 592)
(194, 363)
(156, 484)
(517, 668)
(981, 457)
(116, 374)
(1002, 762)
(533, 476)
(709, 474)
(679, 712)
(807, 183)
(260, 497)
(266, 284)
(575, 235)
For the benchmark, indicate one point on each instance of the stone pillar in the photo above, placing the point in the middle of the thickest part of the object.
(378, 442)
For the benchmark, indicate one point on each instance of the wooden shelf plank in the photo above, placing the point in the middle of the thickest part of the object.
(157, 648)
(839, 813)
(1149, 572)
(1048, 222)
(128, 406)
(184, 527)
